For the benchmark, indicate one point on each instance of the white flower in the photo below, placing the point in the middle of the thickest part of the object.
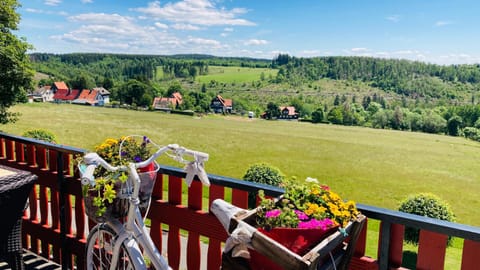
(311, 180)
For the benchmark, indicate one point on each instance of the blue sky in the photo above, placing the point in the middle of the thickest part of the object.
(441, 31)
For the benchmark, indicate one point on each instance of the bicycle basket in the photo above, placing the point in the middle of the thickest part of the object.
(119, 206)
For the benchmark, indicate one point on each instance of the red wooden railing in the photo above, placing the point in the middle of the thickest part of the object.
(55, 226)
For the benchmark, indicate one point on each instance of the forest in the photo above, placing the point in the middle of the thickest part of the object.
(363, 91)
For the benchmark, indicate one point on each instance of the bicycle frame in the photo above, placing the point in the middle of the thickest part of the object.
(133, 233)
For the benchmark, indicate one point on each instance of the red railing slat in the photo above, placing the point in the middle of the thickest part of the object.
(431, 245)
(470, 255)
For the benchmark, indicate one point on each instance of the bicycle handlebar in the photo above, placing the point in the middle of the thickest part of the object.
(92, 160)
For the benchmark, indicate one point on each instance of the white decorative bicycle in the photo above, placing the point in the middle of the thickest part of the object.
(113, 244)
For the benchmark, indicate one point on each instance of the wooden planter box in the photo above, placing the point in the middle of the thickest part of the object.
(335, 247)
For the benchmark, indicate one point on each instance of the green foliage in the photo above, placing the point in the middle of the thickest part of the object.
(40, 134)
(428, 205)
(317, 116)
(453, 125)
(273, 111)
(15, 71)
(264, 174)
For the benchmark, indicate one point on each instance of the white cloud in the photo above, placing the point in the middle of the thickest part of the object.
(183, 26)
(359, 50)
(442, 23)
(255, 42)
(197, 12)
(161, 25)
(393, 18)
(87, 1)
(228, 29)
(52, 2)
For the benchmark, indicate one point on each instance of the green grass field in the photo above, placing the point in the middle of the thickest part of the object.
(376, 167)
(235, 74)
(370, 166)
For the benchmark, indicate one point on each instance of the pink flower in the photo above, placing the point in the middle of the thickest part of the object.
(325, 187)
(316, 224)
(301, 215)
(273, 213)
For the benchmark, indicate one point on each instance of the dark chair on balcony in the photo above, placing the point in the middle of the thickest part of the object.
(15, 186)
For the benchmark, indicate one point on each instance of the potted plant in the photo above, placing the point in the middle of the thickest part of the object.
(108, 198)
(305, 215)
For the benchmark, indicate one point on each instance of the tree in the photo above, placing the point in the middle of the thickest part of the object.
(317, 115)
(15, 71)
(272, 111)
(453, 125)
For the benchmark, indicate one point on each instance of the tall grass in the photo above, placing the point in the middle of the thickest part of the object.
(370, 166)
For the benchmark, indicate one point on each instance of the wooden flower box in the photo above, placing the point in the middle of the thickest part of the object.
(337, 247)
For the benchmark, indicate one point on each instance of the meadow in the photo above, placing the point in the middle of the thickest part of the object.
(370, 166)
(235, 74)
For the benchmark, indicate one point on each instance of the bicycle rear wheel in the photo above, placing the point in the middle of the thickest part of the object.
(100, 243)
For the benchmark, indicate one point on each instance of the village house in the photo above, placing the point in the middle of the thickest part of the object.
(89, 97)
(221, 105)
(42, 94)
(59, 86)
(168, 103)
(288, 112)
(65, 95)
(104, 93)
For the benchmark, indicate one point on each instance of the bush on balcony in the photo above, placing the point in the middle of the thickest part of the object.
(264, 174)
(425, 204)
(40, 134)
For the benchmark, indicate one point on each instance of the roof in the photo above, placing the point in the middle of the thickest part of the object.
(87, 96)
(291, 109)
(60, 85)
(163, 102)
(102, 91)
(40, 91)
(224, 101)
(65, 94)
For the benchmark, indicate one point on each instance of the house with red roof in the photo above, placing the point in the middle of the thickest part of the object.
(65, 95)
(221, 105)
(58, 86)
(288, 112)
(168, 103)
(89, 97)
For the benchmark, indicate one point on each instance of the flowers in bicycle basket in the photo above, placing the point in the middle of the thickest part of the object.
(306, 205)
(116, 152)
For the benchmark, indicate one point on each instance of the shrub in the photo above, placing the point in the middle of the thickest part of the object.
(264, 174)
(425, 204)
(40, 134)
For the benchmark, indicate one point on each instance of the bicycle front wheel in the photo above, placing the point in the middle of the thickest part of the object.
(100, 244)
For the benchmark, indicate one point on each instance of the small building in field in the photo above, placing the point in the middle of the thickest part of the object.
(59, 86)
(42, 94)
(221, 105)
(89, 97)
(168, 103)
(66, 95)
(104, 93)
(288, 112)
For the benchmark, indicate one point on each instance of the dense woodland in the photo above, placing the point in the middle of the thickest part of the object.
(380, 93)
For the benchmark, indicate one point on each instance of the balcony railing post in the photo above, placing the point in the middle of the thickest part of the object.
(384, 245)
(62, 212)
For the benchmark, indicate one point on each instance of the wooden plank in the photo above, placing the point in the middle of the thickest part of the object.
(173, 247)
(471, 251)
(174, 190)
(396, 245)
(431, 245)
(193, 241)
(240, 198)
(214, 255)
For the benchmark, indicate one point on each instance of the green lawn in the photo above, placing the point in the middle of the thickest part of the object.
(235, 74)
(370, 166)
